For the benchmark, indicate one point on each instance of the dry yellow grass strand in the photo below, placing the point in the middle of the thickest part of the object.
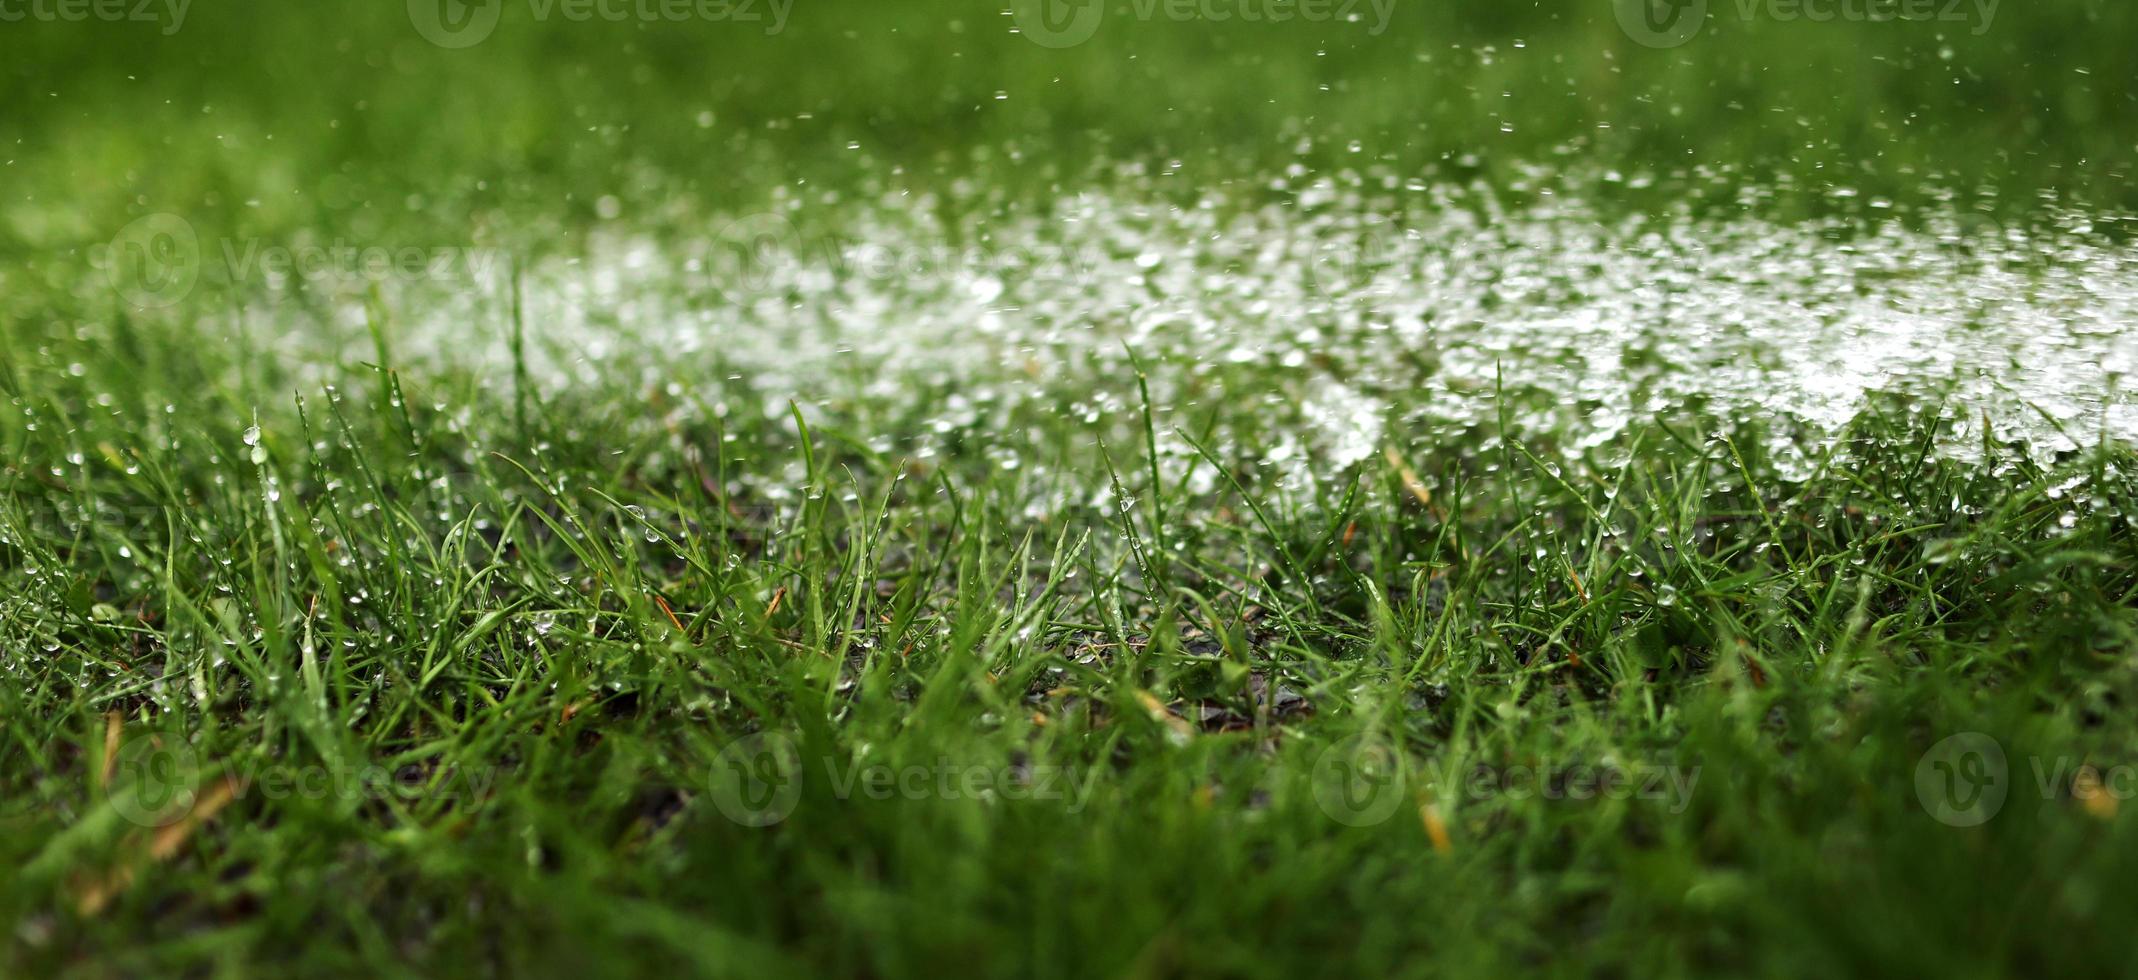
(96, 896)
(1411, 482)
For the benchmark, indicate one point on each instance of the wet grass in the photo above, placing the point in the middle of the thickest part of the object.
(386, 656)
(478, 679)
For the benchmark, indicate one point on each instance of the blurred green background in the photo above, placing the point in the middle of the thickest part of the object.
(1808, 852)
(340, 115)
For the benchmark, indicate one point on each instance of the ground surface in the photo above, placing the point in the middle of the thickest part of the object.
(873, 494)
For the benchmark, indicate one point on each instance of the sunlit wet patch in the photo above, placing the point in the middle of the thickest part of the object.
(1320, 323)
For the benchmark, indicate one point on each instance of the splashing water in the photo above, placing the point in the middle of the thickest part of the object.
(1346, 317)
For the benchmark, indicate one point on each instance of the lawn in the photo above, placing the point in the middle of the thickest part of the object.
(886, 489)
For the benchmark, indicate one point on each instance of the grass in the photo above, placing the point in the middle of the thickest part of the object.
(547, 637)
(375, 661)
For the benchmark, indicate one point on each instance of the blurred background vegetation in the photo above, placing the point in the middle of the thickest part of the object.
(342, 116)
(328, 119)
